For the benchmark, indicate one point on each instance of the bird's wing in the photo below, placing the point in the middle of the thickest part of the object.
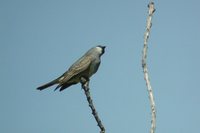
(78, 67)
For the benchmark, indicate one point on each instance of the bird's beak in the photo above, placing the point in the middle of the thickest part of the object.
(103, 47)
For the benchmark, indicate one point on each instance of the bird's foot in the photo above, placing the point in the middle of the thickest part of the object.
(84, 82)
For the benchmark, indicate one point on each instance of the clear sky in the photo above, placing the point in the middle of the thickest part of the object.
(40, 39)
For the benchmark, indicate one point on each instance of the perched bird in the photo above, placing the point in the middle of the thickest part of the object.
(85, 67)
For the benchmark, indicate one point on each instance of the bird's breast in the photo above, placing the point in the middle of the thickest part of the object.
(94, 67)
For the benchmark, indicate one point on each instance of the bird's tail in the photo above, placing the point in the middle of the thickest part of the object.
(48, 85)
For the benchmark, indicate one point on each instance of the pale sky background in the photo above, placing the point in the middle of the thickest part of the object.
(40, 39)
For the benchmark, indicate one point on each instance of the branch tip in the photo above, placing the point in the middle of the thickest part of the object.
(85, 86)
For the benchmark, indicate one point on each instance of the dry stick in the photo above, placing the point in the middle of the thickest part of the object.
(144, 66)
(85, 86)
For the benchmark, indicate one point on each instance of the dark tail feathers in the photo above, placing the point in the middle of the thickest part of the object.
(48, 85)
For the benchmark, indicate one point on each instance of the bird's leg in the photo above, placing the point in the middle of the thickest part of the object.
(84, 82)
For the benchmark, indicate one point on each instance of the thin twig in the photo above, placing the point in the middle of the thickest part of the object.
(144, 66)
(85, 86)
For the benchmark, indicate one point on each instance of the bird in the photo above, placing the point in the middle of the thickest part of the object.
(84, 67)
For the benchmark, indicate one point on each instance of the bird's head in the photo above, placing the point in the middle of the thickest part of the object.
(100, 49)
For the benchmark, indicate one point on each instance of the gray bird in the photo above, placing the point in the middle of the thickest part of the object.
(85, 67)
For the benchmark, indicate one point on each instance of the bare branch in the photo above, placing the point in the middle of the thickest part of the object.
(85, 86)
(144, 66)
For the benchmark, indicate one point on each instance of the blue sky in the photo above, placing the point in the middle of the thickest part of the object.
(40, 39)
